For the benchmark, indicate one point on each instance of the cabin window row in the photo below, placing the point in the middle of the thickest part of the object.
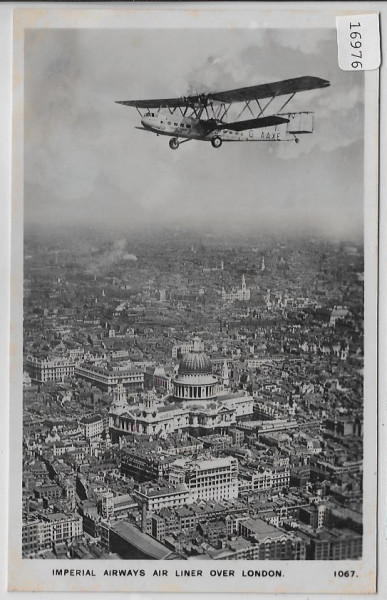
(177, 124)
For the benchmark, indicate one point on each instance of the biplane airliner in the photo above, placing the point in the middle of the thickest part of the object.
(208, 116)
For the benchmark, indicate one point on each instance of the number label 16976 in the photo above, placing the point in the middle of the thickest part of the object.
(358, 42)
(355, 43)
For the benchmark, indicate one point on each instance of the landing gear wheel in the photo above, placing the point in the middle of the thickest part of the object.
(296, 140)
(174, 143)
(216, 142)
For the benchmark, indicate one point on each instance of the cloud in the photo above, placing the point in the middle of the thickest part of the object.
(116, 252)
(86, 163)
(306, 41)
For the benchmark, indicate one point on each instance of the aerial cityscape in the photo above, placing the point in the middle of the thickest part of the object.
(192, 395)
(193, 320)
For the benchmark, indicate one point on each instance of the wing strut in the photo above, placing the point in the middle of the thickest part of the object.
(225, 110)
(263, 109)
(287, 102)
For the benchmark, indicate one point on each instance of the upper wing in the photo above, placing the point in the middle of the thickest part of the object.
(159, 102)
(267, 90)
(255, 123)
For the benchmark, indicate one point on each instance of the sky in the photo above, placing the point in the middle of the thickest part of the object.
(86, 164)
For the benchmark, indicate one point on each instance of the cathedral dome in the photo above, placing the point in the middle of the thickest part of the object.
(194, 379)
(195, 363)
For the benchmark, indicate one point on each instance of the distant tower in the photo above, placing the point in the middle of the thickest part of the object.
(150, 398)
(243, 289)
(225, 374)
(268, 298)
(107, 504)
(197, 344)
(222, 266)
(143, 517)
(263, 267)
(103, 293)
(119, 404)
(244, 293)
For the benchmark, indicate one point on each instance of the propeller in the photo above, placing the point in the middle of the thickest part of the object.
(213, 124)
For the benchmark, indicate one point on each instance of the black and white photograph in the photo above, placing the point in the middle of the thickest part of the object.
(194, 260)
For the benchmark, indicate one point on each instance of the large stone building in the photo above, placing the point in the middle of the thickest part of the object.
(42, 531)
(92, 425)
(157, 496)
(144, 464)
(43, 370)
(182, 348)
(108, 375)
(242, 294)
(208, 479)
(198, 404)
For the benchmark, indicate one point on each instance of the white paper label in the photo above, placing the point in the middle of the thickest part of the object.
(358, 41)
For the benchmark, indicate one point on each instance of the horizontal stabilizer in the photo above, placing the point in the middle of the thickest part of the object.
(269, 121)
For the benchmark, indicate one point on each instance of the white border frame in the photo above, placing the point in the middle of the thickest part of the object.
(370, 300)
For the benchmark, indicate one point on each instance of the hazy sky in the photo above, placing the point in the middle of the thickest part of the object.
(86, 163)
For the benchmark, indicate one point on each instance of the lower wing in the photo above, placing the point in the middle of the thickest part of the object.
(269, 121)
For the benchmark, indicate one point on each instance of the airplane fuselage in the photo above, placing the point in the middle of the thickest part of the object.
(199, 129)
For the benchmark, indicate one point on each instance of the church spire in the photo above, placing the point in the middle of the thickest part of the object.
(225, 374)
